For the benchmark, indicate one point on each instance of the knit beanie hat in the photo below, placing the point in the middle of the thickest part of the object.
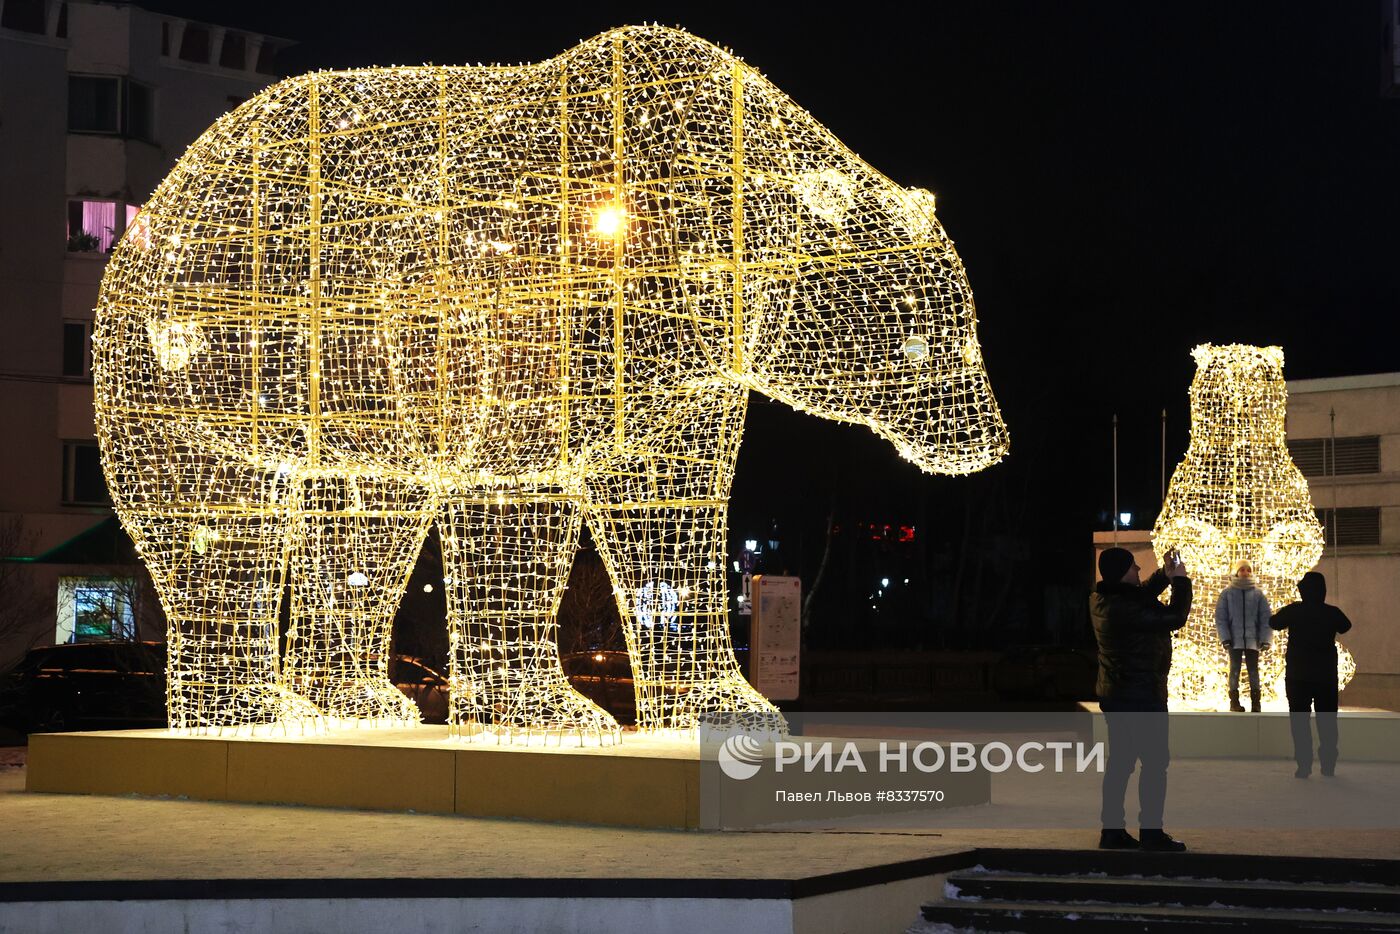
(1114, 563)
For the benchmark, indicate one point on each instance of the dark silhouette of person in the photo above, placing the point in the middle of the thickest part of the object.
(1310, 671)
(1134, 631)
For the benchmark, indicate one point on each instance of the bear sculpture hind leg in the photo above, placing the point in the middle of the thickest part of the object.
(353, 544)
(506, 558)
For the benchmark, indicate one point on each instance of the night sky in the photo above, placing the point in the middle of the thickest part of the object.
(1123, 181)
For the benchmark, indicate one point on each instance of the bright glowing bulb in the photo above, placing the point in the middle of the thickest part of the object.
(610, 221)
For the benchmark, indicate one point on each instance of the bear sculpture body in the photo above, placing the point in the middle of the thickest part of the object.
(1237, 495)
(505, 300)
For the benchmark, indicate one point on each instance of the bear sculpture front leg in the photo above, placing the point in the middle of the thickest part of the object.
(507, 557)
(659, 521)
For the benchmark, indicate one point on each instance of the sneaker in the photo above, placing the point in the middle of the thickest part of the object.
(1161, 842)
(1117, 840)
(1301, 772)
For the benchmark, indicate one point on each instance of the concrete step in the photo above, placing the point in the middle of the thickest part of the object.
(1049, 890)
(1231, 866)
(1019, 887)
(1033, 917)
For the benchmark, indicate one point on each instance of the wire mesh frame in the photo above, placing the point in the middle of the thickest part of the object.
(1237, 495)
(506, 300)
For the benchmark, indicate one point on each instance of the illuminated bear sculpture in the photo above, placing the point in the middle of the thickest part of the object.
(506, 300)
(1237, 495)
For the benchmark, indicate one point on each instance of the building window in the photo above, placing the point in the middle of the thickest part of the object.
(111, 105)
(77, 349)
(1357, 525)
(83, 484)
(194, 45)
(23, 15)
(267, 59)
(140, 111)
(235, 51)
(96, 226)
(94, 104)
(95, 609)
(1319, 457)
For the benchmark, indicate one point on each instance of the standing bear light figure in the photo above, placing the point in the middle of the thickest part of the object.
(507, 300)
(1237, 495)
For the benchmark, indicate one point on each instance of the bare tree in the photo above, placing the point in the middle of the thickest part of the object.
(19, 600)
(588, 616)
(810, 600)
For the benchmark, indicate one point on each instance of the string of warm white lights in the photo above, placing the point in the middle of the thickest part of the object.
(508, 300)
(1237, 495)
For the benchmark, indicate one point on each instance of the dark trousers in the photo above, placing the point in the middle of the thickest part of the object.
(1304, 695)
(1137, 732)
(1251, 661)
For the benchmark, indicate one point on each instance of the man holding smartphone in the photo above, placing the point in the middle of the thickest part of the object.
(1134, 631)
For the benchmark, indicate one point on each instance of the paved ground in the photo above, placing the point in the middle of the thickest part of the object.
(70, 837)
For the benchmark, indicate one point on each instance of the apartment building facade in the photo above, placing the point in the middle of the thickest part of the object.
(1344, 434)
(97, 102)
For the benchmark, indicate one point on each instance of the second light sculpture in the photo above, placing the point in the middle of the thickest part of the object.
(1237, 495)
(507, 300)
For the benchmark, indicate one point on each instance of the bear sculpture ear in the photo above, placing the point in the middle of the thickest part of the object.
(912, 210)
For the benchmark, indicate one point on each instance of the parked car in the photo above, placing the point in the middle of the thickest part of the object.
(86, 686)
(424, 685)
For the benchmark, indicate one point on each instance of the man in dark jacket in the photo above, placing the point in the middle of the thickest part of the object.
(1134, 630)
(1310, 671)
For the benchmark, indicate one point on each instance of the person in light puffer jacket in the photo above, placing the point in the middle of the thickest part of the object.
(1242, 619)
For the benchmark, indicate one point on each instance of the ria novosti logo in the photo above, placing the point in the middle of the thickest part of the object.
(740, 757)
